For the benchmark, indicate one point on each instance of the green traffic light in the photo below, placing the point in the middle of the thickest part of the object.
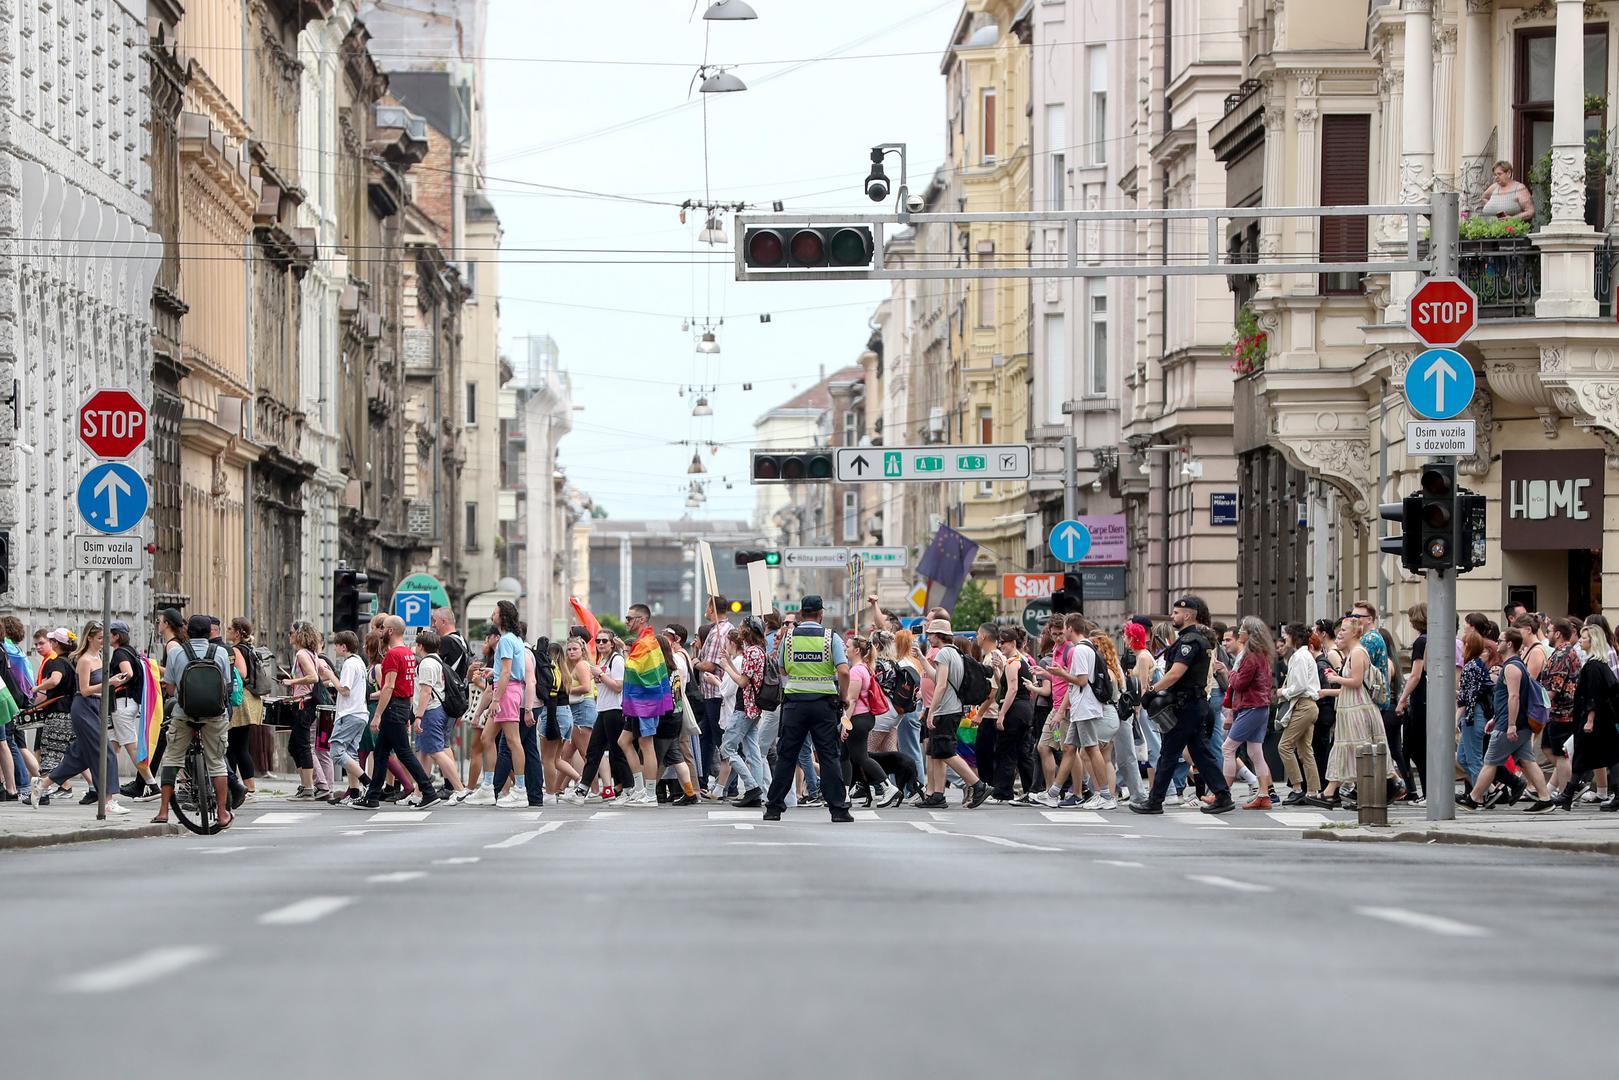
(772, 558)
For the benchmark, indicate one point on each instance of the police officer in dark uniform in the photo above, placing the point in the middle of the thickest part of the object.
(1186, 685)
(814, 679)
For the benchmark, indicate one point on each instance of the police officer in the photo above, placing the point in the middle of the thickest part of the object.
(1186, 682)
(815, 677)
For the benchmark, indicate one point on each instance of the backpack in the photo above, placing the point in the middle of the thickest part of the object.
(907, 686)
(886, 672)
(1377, 685)
(1101, 680)
(974, 687)
(235, 688)
(767, 696)
(874, 699)
(260, 670)
(454, 700)
(1537, 705)
(1130, 699)
(201, 691)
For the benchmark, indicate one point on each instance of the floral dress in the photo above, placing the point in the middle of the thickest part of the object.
(1359, 723)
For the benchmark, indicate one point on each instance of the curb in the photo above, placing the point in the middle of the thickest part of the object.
(1586, 847)
(82, 836)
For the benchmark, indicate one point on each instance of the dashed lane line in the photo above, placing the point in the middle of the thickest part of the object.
(144, 967)
(524, 837)
(305, 911)
(1219, 882)
(1121, 862)
(396, 877)
(284, 817)
(220, 850)
(399, 817)
(1434, 924)
(456, 860)
(1000, 841)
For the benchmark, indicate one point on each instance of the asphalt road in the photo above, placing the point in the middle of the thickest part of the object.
(633, 943)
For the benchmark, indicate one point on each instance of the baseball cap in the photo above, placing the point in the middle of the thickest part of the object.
(61, 636)
(119, 626)
(812, 602)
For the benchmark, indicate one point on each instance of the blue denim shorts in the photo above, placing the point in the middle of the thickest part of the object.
(435, 733)
(584, 713)
(558, 725)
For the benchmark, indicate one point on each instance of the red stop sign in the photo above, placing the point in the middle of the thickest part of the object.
(1442, 311)
(112, 423)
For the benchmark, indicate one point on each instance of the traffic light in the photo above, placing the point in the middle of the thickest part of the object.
(791, 466)
(1071, 597)
(1471, 531)
(769, 558)
(1437, 518)
(1408, 544)
(350, 600)
(790, 247)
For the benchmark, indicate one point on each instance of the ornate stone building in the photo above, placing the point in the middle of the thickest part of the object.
(77, 262)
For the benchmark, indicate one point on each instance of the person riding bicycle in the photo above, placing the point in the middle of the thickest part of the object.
(197, 693)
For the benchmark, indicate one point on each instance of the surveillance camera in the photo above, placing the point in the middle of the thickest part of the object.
(876, 186)
(914, 204)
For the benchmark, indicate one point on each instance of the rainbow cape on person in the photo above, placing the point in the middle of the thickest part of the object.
(647, 690)
(151, 710)
(19, 668)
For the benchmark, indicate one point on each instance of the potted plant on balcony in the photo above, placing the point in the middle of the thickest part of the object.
(1248, 345)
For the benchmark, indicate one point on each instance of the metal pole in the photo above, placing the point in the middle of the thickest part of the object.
(1070, 477)
(1440, 660)
(102, 779)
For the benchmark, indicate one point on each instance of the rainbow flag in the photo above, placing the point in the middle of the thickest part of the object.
(646, 678)
(151, 709)
(588, 621)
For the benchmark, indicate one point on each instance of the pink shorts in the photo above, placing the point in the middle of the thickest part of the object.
(510, 709)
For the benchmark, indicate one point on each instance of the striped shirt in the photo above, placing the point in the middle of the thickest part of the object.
(712, 652)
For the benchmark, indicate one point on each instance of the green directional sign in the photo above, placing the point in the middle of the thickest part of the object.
(893, 465)
(928, 464)
(932, 463)
(972, 463)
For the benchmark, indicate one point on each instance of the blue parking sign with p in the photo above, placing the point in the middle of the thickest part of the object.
(416, 608)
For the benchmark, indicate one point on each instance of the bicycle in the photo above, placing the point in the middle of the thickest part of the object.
(195, 802)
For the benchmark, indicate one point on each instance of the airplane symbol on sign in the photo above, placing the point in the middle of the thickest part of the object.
(1009, 461)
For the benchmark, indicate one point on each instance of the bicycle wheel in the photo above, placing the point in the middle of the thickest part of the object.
(193, 801)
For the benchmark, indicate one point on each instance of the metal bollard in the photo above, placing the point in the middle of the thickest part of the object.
(1371, 783)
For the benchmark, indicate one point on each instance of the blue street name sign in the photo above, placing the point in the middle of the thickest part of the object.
(1069, 542)
(1439, 384)
(112, 498)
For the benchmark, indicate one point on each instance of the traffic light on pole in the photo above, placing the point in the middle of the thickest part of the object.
(350, 600)
(1071, 597)
(793, 247)
(791, 466)
(769, 558)
(1471, 531)
(1437, 520)
(1407, 544)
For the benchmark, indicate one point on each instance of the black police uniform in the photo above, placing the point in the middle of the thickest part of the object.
(814, 718)
(1193, 720)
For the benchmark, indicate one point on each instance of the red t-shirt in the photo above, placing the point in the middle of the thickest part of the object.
(402, 661)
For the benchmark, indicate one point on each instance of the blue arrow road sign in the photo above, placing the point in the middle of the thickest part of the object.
(415, 608)
(1439, 384)
(113, 498)
(1069, 542)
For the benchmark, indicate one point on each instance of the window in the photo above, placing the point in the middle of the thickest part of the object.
(986, 425)
(1096, 61)
(986, 298)
(1056, 147)
(469, 278)
(850, 435)
(1535, 67)
(471, 530)
(472, 404)
(1097, 360)
(1056, 368)
(988, 113)
(851, 517)
(1345, 181)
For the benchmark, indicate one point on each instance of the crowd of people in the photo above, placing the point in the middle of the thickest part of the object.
(781, 711)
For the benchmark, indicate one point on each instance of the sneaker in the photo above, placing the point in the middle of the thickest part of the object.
(89, 798)
(689, 800)
(1493, 797)
(977, 794)
(365, 802)
(936, 801)
(643, 798)
(36, 791)
(248, 797)
(1589, 795)
(303, 794)
(623, 798)
(608, 793)
(748, 800)
(1092, 803)
(512, 800)
(1072, 802)
(459, 797)
(1466, 801)
(1258, 802)
(115, 807)
(1538, 806)
(1190, 800)
(482, 795)
(1420, 800)
(574, 797)
(1045, 798)
(132, 789)
(1146, 806)
(597, 796)
(812, 800)
(1109, 803)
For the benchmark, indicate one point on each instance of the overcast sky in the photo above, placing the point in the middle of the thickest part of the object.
(799, 133)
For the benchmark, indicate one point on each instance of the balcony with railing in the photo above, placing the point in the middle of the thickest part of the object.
(1505, 275)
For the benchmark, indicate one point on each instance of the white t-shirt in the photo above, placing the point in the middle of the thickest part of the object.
(430, 683)
(728, 689)
(1082, 703)
(352, 701)
(606, 696)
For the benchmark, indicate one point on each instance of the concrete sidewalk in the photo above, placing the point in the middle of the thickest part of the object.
(23, 826)
(1584, 830)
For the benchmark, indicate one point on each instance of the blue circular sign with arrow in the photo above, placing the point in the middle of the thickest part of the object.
(1439, 384)
(1069, 542)
(112, 498)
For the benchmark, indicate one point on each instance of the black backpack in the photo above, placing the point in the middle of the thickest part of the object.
(454, 700)
(907, 686)
(767, 695)
(974, 688)
(203, 692)
(1101, 680)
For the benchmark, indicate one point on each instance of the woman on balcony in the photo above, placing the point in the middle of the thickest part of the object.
(1506, 199)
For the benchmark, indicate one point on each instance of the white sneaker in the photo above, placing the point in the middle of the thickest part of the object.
(644, 797)
(512, 800)
(1190, 800)
(572, 797)
(623, 798)
(1046, 798)
(36, 788)
(1109, 803)
(481, 796)
(114, 807)
(1092, 803)
(594, 797)
(1590, 795)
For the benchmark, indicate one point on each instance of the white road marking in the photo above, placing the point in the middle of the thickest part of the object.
(358, 832)
(1129, 836)
(458, 860)
(525, 815)
(284, 817)
(1227, 883)
(396, 876)
(218, 850)
(1242, 828)
(865, 815)
(305, 911)
(1194, 817)
(1437, 924)
(145, 967)
(606, 813)
(524, 837)
(1120, 862)
(400, 817)
(258, 828)
(770, 843)
(928, 827)
(940, 815)
(1305, 818)
(733, 815)
(1074, 817)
